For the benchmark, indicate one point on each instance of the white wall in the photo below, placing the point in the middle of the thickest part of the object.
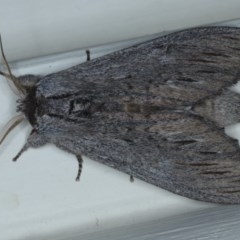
(33, 28)
(38, 195)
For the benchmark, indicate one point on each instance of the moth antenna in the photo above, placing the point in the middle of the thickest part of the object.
(10, 76)
(12, 123)
(5, 75)
(5, 60)
(12, 84)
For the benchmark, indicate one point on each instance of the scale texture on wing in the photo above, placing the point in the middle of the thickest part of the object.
(156, 111)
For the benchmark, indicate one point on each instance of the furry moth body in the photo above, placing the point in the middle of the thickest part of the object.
(156, 111)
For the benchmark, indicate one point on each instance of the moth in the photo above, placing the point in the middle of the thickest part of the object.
(156, 111)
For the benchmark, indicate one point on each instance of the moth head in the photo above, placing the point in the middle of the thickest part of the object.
(21, 87)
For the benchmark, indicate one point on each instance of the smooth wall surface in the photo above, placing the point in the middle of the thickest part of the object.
(33, 28)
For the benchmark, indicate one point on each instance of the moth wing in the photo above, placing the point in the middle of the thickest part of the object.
(189, 158)
(148, 126)
(187, 59)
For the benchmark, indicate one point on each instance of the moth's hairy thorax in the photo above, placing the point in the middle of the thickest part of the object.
(71, 107)
(28, 105)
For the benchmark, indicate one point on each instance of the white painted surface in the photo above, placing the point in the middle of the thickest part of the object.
(220, 223)
(38, 195)
(32, 28)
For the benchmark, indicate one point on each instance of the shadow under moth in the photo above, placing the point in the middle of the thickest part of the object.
(156, 111)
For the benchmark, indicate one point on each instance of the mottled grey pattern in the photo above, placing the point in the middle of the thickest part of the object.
(156, 111)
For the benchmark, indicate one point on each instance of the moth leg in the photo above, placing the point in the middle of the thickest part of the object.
(34, 140)
(23, 149)
(80, 161)
(131, 178)
(88, 55)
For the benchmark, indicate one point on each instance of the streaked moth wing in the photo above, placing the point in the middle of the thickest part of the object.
(156, 111)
